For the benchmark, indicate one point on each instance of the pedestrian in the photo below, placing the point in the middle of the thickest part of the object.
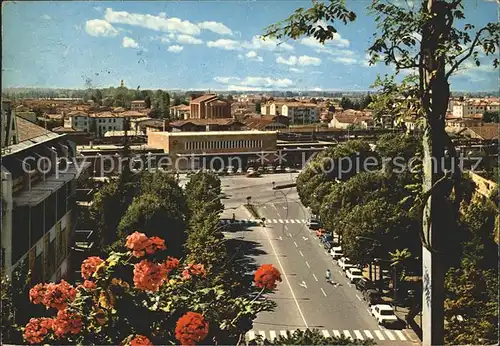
(328, 276)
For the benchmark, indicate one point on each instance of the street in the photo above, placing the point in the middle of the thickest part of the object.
(304, 298)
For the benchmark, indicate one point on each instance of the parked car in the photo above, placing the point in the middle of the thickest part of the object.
(288, 170)
(314, 225)
(354, 274)
(270, 169)
(253, 174)
(250, 169)
(364, 284)
(279, 169)
(345, 263)
(230, 170)
(239, 171)
(372, 297)
(320, 232)
(384, 314)
(260, 169)
(336, 252)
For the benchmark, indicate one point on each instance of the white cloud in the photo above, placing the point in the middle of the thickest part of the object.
(97, 8)
(254, 82)
(225, 44)
(99, 27)
(128, 42)
(296, 70)
(158, 23)
(337, 41)
(256, 43)
(344, 60)
(175, 49)
(46, 17)
(252, 55)
(216, 27)
(186, 39)
(162, 39)
(303, 60)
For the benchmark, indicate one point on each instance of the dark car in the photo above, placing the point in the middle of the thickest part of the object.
(364, 284)
(372, 297)
(314, 225)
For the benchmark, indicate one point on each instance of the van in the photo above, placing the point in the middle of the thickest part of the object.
(336, 252)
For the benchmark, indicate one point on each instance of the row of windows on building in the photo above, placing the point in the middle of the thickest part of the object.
(229, 144)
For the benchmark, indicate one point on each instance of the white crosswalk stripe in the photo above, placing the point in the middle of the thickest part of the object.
(292, 221)
(297, 220)
(389, 335)
(280, 220)
(376, 334)
(400, 335)
(379, 335)
(275, 221)
(358, 335)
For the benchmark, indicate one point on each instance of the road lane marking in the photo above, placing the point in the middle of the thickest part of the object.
(369, 312)
(322, 290)
(347, 334)
(297, 220)
(303, 284)
(315, 278)
(272, 335)
(283, 333)
(389, 335)
(350, 285)
(286, 220)
(379, 335)
(291, 221)
(358, 334)
(368, 334)
(319, 244)
(307, 264)
(274, 221)
(280, 220)
(336, 333)
(358, 297)
(295, 244)
(300, 252)
(400, 335)
(325, 333)
(286, 277)
(304, 238)
(251, 335)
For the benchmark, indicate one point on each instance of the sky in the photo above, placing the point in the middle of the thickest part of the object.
(196, 45)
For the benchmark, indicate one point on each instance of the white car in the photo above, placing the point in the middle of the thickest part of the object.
(336, 252)
(354, 274)
(230, 170)
(384, 314)
(250, 170)
(288, 169)
(239, 171)
(345, 263)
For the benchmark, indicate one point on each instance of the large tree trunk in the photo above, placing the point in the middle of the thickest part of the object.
(436, 146)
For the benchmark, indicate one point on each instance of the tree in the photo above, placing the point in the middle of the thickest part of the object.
(442, 48)
(147, 101)
(346, 103)
(491, 117)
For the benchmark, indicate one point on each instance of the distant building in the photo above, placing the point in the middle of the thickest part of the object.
(471, 107)
(266, 123)
(344, 120)
(80, 121)
(191, 125)
(180, 112)
(38, 218)
(297, 112)
(209, 106)
(138, 105)
(106, 121)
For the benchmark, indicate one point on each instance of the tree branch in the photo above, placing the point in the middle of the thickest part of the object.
(469, 53)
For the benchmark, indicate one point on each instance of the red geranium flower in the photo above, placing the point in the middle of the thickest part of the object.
(58, 295)
(140, 244)
(193, 269)
(171, 263)
(37, 329)
(89, 266)
(149, 276)
(67, 323)
(89, 285)
(139, 340)
(191, 328)
(266, 276)
(37, 293)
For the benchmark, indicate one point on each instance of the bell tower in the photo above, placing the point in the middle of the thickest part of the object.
(122, 84)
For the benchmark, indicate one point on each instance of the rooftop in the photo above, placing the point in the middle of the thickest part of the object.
(203, 98)
(215, 133)
(27, 130)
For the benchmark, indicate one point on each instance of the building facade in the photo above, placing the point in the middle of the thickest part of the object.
(300, 113)
(138, 105)
(38, 201)
(209, 107)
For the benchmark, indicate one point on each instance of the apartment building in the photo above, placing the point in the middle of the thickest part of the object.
(473, 107)
(107, 121)
(300, 113)
(38, 199)
(209, 106)
(138, 105)
(78, 120)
